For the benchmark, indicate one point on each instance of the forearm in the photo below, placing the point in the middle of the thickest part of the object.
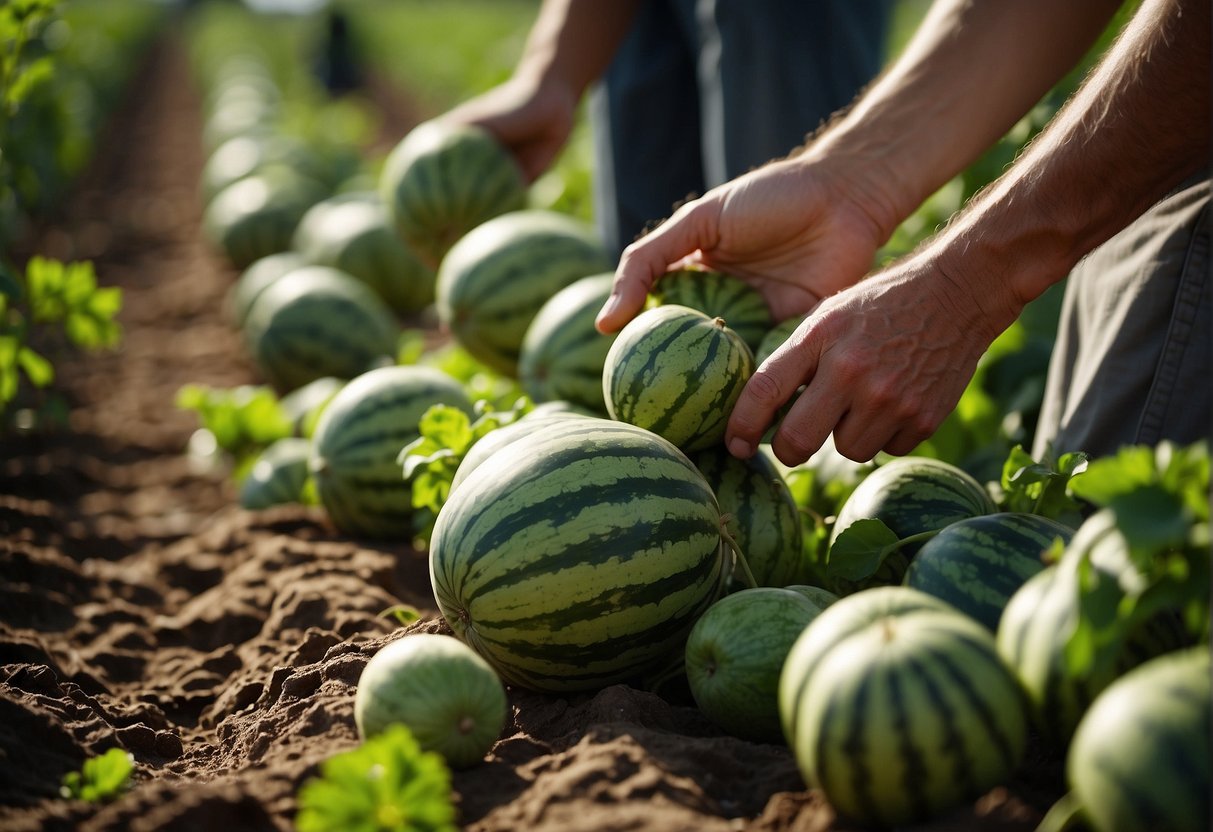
(573, 41)
(973, 69)
(1137, 127)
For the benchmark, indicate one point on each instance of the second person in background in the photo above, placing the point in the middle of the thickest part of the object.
(683, 94)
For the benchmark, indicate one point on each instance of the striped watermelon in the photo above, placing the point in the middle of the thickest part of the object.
(578, 559)
(249, 153)
(735, 652)
(317, 321)
(256, 216)
(819, 596)
(677, 372)
(495, 440)
(562, 353)
(774, 338)
(1140, 758)
(278, 475)
(978, 563)
(352, 232)
(303, 405)
(717, 295)
(358, 438)
(255, 278)
(762, 517)
(436, 686)
(442, 180)
(900, 708)
(1032, 633)
(494, 281)
(910, 495)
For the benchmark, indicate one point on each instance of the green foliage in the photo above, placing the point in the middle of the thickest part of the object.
(100, 779)
(1041, 487)
(388, 783)
(243, 420)
(480, 381)
(51, 297)
(430, 460)
(1159, 499)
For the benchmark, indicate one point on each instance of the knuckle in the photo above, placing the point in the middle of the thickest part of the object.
(765, 390)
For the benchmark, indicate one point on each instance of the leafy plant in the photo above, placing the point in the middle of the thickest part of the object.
(242, 421)
(1159, 499)
(388, 783)
(51, 296)
(101, 778)
(1041, 487)
(430, 460)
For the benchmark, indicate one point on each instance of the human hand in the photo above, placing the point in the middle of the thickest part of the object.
(532, 118)
(797, 230)
(882, 363)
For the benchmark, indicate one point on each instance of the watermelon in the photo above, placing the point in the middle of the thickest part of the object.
(248, 153)
(317, 321)
(278, 475)
(1033, 632)
(819, 596)
(774, 338)
(351, 232)
(442, 180)
(580, 558)
(1140, 757)
(761, 515)
(899, 707)
(735, 652)
(677, 372)
(255, 277)
(256, 216)
(359, 436)
(303, 405)
(978, 563)
(717, 295)
(494, 281)
(495, 440)
(910, 495)
(562, 353)
(436, 686)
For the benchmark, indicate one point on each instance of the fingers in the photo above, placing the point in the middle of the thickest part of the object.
(690, 229)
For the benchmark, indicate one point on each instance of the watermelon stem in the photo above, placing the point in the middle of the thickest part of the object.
(738, 555)
(1064, 815)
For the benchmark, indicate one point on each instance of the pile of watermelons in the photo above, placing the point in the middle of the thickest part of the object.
(905, 648)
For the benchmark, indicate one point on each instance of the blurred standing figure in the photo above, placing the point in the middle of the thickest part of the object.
(686, 94)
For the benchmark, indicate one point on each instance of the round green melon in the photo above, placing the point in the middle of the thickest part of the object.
(494, 280)
(562, 353)
(910, 495)
(442, 180)
(316, 321)
(677, 372)
(578, 558)
(717, 295)
(278, 475)
(761, 515)
(256, 216)
(899, 708)
(734, 655)
(978, 563)
(774, 338)
(248, 153)
(818, 595)
(303, 405)
(358, 439)
(255, 277)
(447, 696)
(1033, 632)
(495, 440)
(352, 232)
(1140, 757)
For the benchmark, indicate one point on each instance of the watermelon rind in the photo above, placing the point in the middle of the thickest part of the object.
(578, 560)
(717, 295)
(278, 475)
(451, 700)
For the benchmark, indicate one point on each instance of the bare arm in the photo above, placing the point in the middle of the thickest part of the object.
(568, 47)
(806, 227)
(886, 361)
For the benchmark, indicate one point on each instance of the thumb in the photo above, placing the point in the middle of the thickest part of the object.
(691, 228)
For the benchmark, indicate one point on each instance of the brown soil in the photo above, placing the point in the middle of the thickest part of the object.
(140, 607)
